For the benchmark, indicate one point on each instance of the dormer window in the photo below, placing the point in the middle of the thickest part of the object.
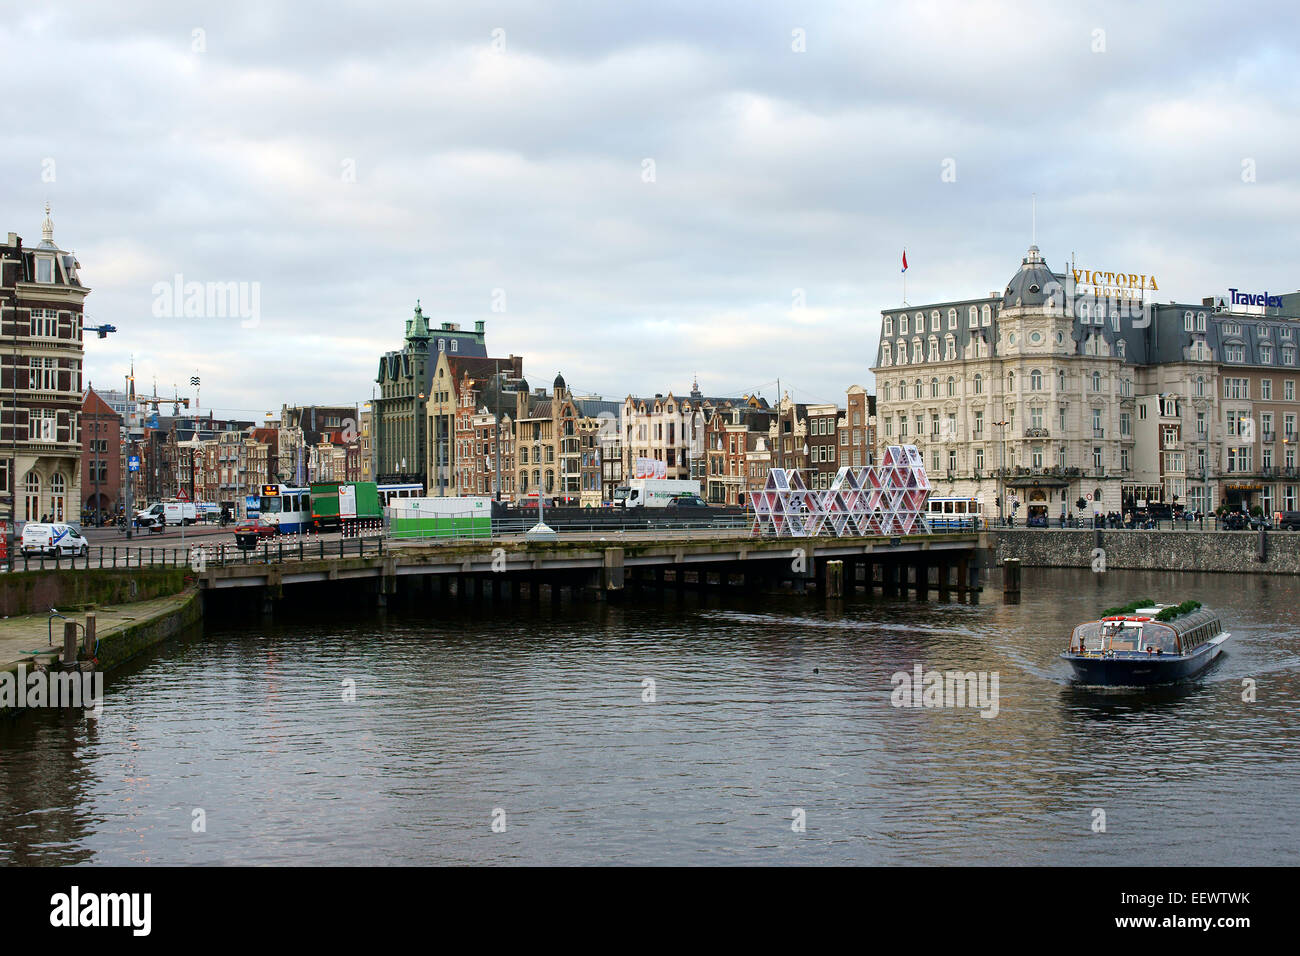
(44, 269)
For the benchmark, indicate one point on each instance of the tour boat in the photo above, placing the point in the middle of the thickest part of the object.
(1144, 643)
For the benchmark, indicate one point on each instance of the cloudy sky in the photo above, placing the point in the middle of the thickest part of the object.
(629, 193)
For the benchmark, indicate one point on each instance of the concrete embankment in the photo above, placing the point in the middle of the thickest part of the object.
(1225, 552)
(121, 632)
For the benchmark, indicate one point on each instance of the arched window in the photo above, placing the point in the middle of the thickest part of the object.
(1036, 380)
(902, 352)
(952, 386)
(918, 393)
(952, 318)
(934, 348)
(889, 325)
(934, 321)
(974, 317)
(885, 354)
(1011, 381)
(32, 495)
(1096, 381)
(902, 389)
(934, 388)
(1200, 386)
(986, 315)
(949, 347)
(979, 384)
(887, 390)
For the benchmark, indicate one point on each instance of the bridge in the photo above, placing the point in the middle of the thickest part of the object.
(603, 564)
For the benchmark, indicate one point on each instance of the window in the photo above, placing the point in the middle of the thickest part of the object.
(986, 315)
(979, 384)
(952, 387)
(952, 461)
(1266, 389)
(979, 459)
(934, 388)
(45, 323)
(974, 317)
(1288, 390)
(934, 321)
(1036, 380)
(1096, 381)
(902, 352)
(934, 349)
(1266, 355)
(43, 375)
(902, 325)
(949, 348)
(44, 269)
(979, 424)
(889, 326)
(1011, 381)
(885, 353)
(1096, 460)
(916, 351)
(1234, 353)
(952, 318)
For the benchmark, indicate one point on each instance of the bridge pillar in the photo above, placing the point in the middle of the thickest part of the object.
(611, 573)
(945, 574)
(834, 578)
(890, 578)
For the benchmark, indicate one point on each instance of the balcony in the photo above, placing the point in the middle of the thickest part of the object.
(1099, 433)
(1036, 433)
(1268, 438)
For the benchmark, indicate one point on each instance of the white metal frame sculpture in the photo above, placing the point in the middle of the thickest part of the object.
(888, 498)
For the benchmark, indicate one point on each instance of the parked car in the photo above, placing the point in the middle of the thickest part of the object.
(1287, 520)
(54, 538)
(1036, 521)
(686, 501)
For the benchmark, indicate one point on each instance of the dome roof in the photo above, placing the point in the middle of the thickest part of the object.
(559, 383)
(1032, 284)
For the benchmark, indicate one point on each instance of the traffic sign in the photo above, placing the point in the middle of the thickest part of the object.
(133, 463)
(182, 496)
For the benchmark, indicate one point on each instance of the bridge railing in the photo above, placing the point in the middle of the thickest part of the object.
(198, 556)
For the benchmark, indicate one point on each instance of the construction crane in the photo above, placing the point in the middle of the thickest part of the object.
(103, 330)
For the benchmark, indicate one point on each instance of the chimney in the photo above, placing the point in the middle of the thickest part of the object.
(478, 325)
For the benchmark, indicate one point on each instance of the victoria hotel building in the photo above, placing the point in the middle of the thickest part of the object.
(1058, 390)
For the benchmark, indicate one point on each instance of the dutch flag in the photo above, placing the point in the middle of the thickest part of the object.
(904, 260)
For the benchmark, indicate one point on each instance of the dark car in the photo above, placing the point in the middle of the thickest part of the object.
(686, 501)
(1036, 521)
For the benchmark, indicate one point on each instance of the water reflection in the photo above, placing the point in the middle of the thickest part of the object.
(762, 706)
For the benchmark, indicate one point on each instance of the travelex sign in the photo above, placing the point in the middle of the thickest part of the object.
(1115, 285)
(1252, 298)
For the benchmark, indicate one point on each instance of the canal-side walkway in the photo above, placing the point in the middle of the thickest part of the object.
(122, 630)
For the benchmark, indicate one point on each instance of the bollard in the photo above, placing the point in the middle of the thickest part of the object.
(88, 639)
(1011, 581)
(69, 644)
(1263, 546)
(834, 579)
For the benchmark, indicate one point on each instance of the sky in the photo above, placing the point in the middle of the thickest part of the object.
(630, 194)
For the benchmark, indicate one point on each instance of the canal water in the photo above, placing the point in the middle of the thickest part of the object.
(770, 738)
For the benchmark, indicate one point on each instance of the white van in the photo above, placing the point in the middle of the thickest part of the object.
(169, 513)
(54, 539)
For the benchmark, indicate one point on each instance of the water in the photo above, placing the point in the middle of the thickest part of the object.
(763, 706)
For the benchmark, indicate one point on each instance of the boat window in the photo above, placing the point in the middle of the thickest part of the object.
(1160, 638)
(1086, 637)
(1123, 635)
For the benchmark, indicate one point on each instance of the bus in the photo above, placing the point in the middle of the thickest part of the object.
(286, 508)
(389, 493)
(955, 514)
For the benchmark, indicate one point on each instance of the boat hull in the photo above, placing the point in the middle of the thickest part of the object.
(1141, 670)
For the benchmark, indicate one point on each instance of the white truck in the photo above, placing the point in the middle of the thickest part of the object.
(654, 492)
(168, 512)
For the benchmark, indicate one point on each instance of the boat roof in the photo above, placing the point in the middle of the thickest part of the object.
(1184, 622)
